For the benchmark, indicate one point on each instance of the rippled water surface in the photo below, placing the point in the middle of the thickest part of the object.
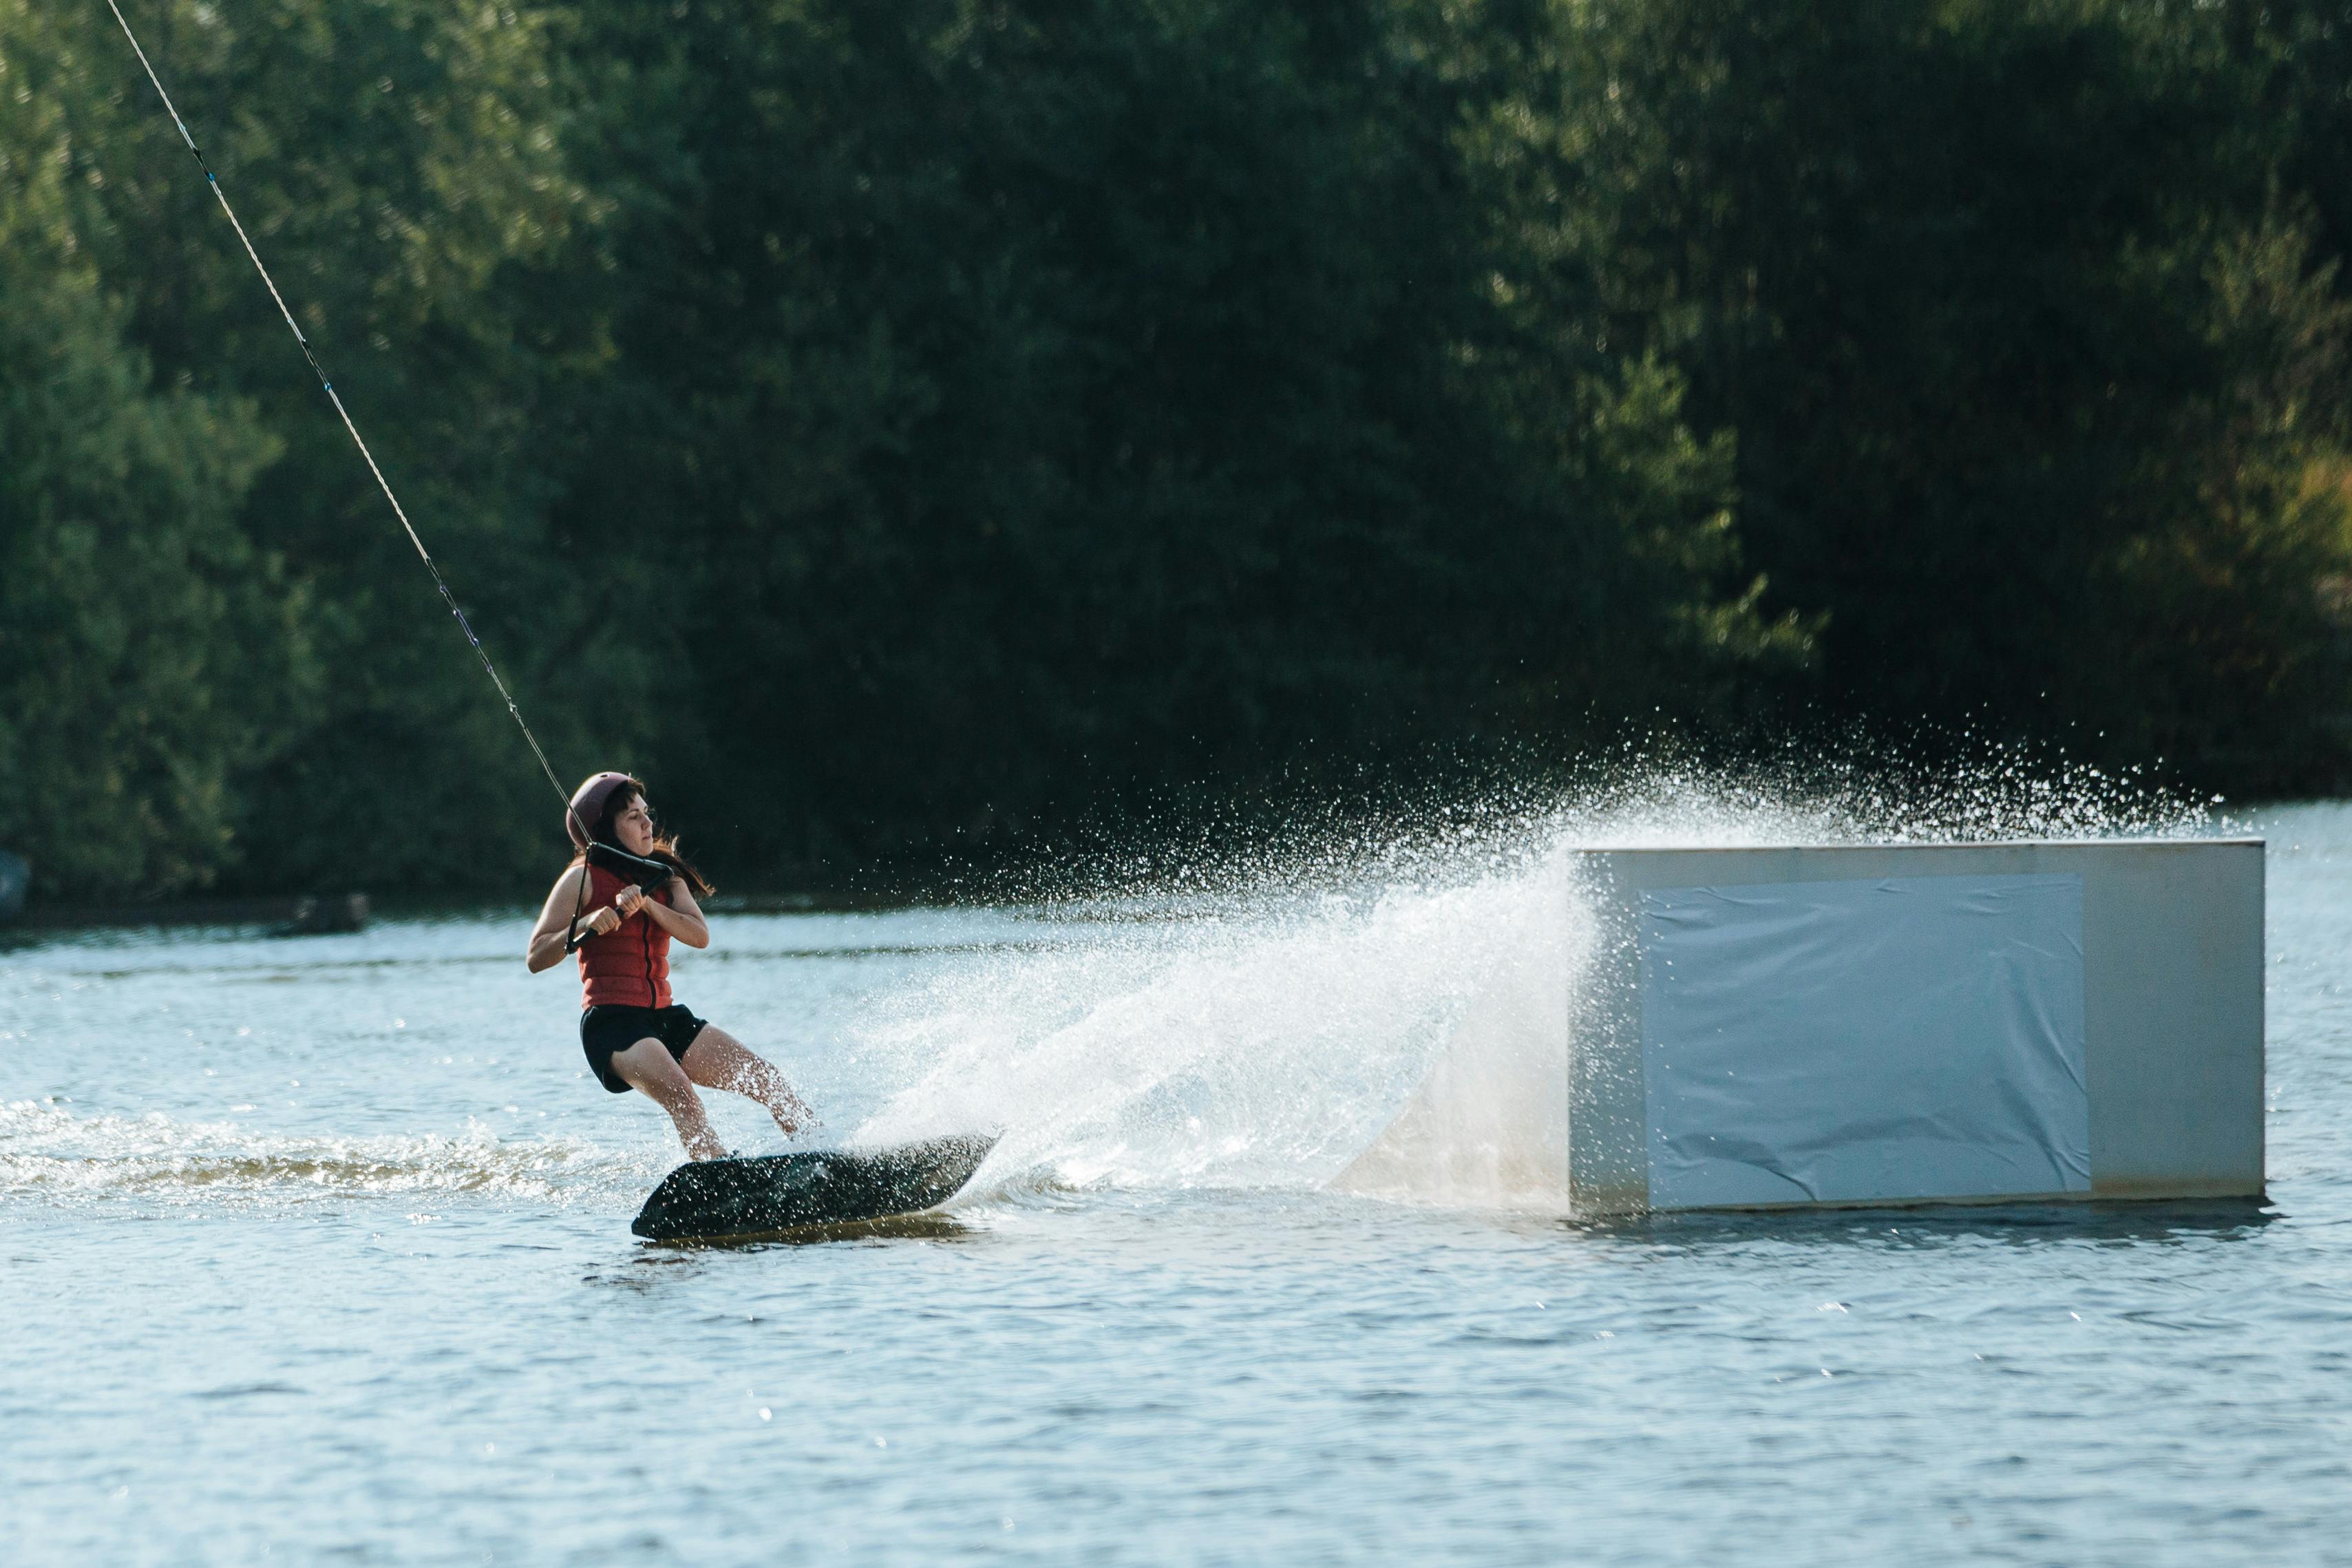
(317, 1250)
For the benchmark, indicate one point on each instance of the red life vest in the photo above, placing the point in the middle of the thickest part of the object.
(626, 967)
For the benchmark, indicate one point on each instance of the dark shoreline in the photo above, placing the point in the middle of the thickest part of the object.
(325, 914)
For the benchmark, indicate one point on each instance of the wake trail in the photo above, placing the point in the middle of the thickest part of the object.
(48, 1154)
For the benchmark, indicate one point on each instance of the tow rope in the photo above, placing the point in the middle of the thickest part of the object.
(329, 387)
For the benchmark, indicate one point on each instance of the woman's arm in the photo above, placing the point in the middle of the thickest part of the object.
(545, 949)
(681, 917)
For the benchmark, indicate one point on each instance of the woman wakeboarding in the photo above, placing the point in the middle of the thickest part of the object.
(625, 895)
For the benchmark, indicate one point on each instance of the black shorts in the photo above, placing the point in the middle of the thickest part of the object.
(607, 1029)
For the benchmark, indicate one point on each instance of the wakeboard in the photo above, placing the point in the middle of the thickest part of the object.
(705, 1200)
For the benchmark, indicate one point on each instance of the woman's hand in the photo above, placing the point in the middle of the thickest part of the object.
(602, 923)
(680, 917)
(627, 900)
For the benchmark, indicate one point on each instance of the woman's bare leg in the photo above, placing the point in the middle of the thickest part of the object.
(717, 1059)
(649, 1069)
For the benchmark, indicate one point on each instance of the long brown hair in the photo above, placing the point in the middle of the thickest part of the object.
(664, 850)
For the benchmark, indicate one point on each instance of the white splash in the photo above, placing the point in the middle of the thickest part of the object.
(1385, 1017)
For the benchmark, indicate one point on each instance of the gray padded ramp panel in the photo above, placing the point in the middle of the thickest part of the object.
(1828, 1042)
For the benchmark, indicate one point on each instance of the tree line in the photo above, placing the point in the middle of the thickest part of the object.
(910, 428)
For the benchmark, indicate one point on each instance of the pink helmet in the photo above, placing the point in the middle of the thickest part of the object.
(588, 803)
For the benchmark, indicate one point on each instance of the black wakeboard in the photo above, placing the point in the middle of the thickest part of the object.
(709, 1199)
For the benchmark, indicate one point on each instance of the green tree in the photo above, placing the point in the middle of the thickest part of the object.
(2011, 318)
(399, 165)
(148, 651)
(1051, 400)
(893, 425)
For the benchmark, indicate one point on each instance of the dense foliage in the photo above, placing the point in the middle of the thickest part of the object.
(891, 426)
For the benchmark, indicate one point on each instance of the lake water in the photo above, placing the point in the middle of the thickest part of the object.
(317, 1250)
